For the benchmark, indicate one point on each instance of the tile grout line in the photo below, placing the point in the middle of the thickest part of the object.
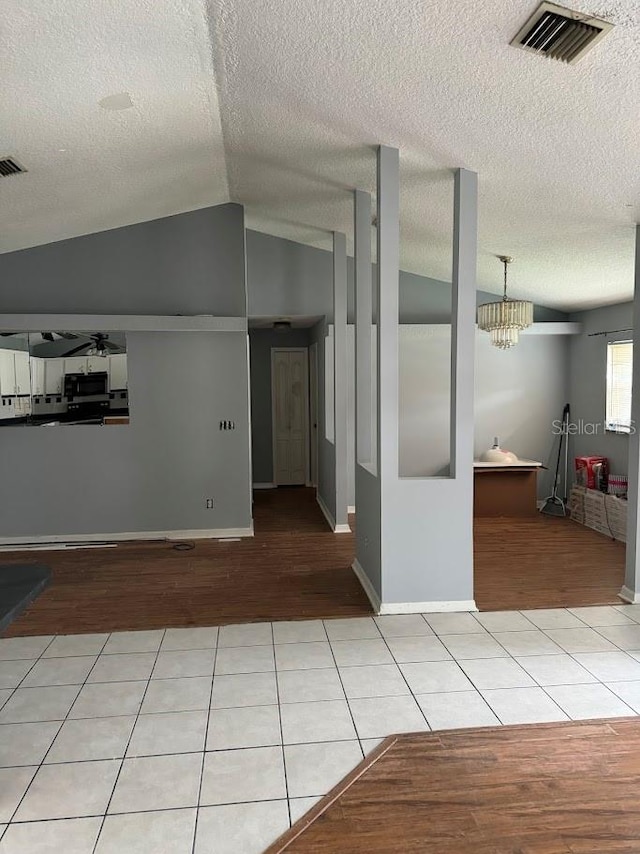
(346, 698)
(284, 760)
(126, 748)
(406, 680)
(204, 746)
(62, 723)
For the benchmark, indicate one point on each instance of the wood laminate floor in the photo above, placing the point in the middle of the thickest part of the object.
(569, 788)
(295, 568)
(544, 562)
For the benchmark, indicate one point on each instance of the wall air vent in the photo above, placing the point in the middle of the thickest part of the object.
(560, 33)
(10, 166)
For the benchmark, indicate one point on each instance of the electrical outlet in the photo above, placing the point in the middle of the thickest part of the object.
(210, 504)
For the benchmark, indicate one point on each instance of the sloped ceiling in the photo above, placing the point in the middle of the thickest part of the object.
(279, 104)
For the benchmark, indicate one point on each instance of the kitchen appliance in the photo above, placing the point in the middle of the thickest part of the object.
(86, 385)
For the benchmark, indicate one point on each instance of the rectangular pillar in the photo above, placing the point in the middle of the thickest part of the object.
(367, 564)
(340, 379)
(363, 330)
(423, 534)
(631, 589)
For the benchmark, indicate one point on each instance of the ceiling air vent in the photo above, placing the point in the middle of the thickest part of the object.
(560, 33)
(10, 166)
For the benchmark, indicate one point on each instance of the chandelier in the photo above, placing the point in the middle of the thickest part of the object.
(505, 319)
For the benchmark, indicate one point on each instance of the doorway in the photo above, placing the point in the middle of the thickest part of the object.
(290, 414)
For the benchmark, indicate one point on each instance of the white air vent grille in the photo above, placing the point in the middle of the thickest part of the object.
(10, 166)
(560, 33)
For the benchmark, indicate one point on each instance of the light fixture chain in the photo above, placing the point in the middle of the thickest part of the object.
(504, 296)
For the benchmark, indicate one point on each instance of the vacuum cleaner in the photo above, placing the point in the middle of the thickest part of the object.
(554, 505)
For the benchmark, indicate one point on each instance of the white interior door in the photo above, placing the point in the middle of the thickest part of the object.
(313, 414)
(290, 415)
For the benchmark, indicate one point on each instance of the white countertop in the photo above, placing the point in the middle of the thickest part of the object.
(477, 464)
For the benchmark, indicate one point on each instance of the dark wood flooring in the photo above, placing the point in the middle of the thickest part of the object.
(568, 788)
(295, 568)
(544, 562)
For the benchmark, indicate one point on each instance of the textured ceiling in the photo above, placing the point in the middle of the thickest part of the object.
(278, 105)
(165, 155)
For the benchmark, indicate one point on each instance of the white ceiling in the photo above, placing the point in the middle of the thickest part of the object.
(279, 105)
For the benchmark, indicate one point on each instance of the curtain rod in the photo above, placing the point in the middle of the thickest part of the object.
(610, 332)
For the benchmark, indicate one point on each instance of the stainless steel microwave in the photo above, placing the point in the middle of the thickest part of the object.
(86, 385)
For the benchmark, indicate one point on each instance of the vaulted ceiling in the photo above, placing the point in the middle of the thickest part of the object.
(279, 104)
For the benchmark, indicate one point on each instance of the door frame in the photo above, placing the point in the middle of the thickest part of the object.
(305, 373)
(313, 412)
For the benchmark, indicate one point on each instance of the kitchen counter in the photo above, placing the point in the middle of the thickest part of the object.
(506, 489)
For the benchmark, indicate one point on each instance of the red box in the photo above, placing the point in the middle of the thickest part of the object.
(592, 472)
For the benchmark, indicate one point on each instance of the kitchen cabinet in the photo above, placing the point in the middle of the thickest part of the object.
(53, 376)
(23, 372)
(117, 372)
(75, 365)
(7, 373)
(97, 364)
(15, 375)
(37, 376)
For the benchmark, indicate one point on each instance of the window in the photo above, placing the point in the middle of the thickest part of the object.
(619, 373)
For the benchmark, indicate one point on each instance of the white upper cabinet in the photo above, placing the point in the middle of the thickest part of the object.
(23, 372)
(15, 376)
(7, 373)
(75, 365)
(97, 364)
(37, 376)
(53, 376)
(117, 372)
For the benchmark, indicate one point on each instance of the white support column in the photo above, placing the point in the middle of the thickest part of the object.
(415, 534)
(340, 379)
(463, 318)
(631, 589)
(364, 316)
(367, 564)
(387, 293)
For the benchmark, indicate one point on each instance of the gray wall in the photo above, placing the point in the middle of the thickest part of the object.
(289, 279)
(326, 449)
(261, 341)
(587, 371)
(192, 263)
(156, 473)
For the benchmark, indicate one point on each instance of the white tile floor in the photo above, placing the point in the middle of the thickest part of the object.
(199, 741)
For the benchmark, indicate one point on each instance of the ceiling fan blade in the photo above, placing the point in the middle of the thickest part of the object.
(69, 336)
(7, 334)
(75, 350)
(109, 345)
(48, 336)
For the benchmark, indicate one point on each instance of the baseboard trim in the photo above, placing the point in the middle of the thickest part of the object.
(427, 607)
(337, 529)
(351, 509)
(366, 584)
(627, 595)
(264, 485)
(325, 511)
(18, 543)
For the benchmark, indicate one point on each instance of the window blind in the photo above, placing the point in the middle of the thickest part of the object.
(619, 374)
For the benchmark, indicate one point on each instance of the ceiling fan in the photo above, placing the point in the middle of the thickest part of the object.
(98, 345)
(46, 336)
